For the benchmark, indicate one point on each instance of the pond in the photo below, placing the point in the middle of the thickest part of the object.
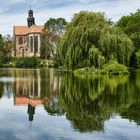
(47, 104)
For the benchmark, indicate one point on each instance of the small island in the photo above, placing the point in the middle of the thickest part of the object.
(112, 68)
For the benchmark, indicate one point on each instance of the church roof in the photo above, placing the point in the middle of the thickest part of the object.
(35, 29)
(21, 30)
(24, 30)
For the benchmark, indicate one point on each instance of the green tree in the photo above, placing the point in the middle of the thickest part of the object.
(6, 47)
(1, 45)
(90, 37)
(53, 30)
(131, 26)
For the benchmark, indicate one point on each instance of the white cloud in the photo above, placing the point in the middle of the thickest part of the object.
(47, 8)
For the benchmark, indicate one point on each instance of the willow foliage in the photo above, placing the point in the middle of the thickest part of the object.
(90, 40)
(114, 43)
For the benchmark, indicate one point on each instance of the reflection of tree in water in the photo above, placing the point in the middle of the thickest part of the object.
(6, 89)
(132, 113)
(87, 101)
(53, 107)
(53, 83)
(90, 101)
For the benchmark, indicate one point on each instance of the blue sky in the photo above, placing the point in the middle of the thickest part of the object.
(14, 12)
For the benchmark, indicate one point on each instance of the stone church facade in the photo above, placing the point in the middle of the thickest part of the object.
(27, 38)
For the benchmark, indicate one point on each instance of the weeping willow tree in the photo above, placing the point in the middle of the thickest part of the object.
(90, 40)
(114, 43)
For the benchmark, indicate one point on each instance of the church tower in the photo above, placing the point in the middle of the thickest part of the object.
(30, 19)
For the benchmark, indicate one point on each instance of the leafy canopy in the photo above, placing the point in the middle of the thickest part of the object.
(50, 37)
(90, 40)
(131, 26)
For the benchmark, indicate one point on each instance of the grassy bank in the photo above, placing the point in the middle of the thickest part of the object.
(25, 62)
(111, 68)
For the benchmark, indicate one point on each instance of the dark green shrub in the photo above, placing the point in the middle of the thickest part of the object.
(5, 60)
(27, 62)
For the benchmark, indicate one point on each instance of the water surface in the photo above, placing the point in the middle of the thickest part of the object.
(46, 104)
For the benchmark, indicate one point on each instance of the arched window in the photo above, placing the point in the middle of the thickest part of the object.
(31, 44)
(20, 40)
(36, 43)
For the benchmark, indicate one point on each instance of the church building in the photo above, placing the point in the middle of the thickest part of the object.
(27, 38)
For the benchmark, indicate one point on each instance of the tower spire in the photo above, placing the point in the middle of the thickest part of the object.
(30, 4)
(30, 19)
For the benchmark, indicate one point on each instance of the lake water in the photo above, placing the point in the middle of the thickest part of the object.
(46, 104)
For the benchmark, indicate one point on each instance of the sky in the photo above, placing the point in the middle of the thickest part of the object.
(15, 12)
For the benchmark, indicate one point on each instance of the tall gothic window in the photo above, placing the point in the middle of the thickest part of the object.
(31, 44)
(20, 40)
(36, 43)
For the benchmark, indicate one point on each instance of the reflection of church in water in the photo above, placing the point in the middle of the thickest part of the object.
(28, 93)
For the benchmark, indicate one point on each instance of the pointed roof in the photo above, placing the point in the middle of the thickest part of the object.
(24, 30)
(35, 29)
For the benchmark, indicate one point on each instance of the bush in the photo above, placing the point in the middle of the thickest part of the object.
(113, 67)
(5, 60)
(27, 62)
